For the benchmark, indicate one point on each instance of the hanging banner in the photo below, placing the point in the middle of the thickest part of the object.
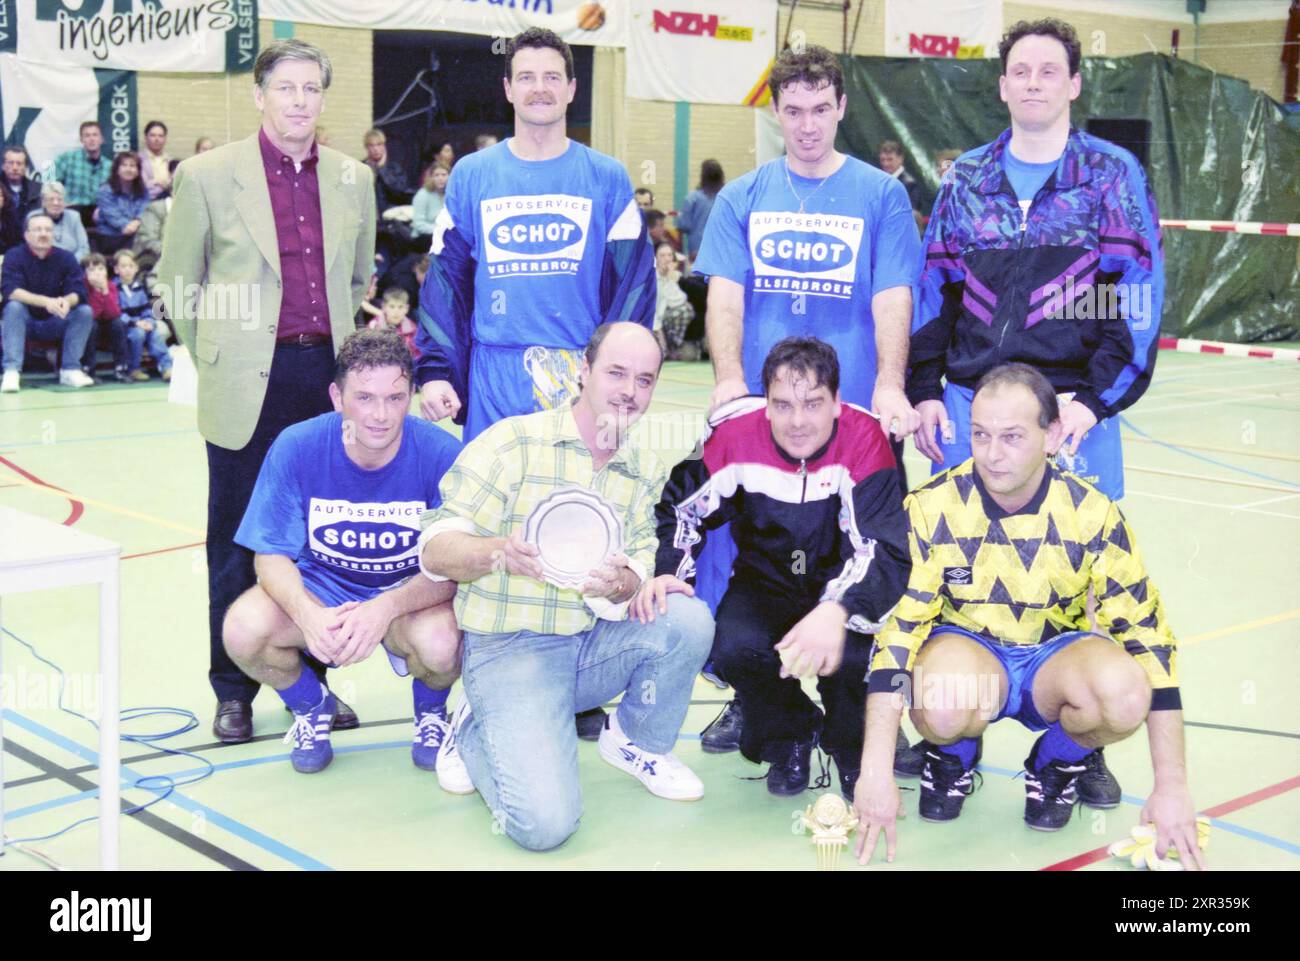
(42, 107)
(964, 29)
(579, 22)
(701, 51)
(178, 36)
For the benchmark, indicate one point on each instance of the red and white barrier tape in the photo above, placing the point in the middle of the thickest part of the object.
(1187, 346)
(1235, 227)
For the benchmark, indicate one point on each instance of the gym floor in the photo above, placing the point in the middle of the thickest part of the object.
(1213, 477)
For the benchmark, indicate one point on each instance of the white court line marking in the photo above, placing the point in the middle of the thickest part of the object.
(1226, 507)
(1179, 377)
(1230, 389)
(1269, 500)
(1246, 399)
(1206, 478)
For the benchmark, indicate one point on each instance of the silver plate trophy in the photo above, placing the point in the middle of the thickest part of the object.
(575, 530)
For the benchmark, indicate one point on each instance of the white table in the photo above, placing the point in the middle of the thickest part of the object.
(36, 554)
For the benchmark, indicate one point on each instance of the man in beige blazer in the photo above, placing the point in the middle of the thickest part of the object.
(267, 254)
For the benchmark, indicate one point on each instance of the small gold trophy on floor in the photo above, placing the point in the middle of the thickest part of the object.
(830, 820)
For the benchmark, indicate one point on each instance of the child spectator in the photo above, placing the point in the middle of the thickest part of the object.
(106, 310)
(141, 325)
(428, 202)
(397, 307)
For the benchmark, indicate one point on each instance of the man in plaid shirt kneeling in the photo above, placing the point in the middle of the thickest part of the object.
(536, 653)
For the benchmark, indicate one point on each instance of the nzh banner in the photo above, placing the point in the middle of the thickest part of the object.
(41, 107)
(180, 36)
(963, 29)
(701, 51)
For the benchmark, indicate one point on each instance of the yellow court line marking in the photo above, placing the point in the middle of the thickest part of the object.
(1238, 628)
(112, 508)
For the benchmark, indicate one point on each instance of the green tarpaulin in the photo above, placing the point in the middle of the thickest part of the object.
(1218, 151)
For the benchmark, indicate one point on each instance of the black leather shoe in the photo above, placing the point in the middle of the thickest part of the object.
(848, 769)
(345, 719)
(1097, 787)
(790, 770)
(590, 723)
(723, 735)
(233, 723)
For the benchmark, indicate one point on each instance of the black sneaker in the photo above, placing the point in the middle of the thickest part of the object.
(722, 736)
(1050, 793)
(790, 768)
(590, 724)
(909, 761)
(1097, 787)
(945, 785)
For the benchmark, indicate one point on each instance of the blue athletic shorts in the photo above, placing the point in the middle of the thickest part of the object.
(1100, 460)
(1021, 662)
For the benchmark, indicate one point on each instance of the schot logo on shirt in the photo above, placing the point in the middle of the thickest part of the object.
(365, 538)
(535, 235)
(811, 254)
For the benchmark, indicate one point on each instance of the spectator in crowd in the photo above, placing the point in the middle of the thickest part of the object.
(420, 270)
(391, 188)
(23, 192)
(147, 245)
(371, 307)
(656, 224)
(396, 316)
(944, 159)
(203, 145)
(45, 295)
(155, 163)
(83, 171)
(428, 201)
(485, 140)
(106, 311)
(699, 204)
(322, 136)
(645, 198)
(121, 202)
(891, 162)
(673, 312)
(446, 156)
(11, 229)
(302, 208)
(69, 232)
(142, 328)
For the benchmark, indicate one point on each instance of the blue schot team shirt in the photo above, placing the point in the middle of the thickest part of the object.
(528, 258)
(813, 274)
(352, 532)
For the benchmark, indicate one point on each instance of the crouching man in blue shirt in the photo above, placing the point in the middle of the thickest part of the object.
(334, 521)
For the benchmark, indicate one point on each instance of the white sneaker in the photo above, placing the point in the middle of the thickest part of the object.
(662, 774)
(9, 385)
(453, 776)
(75, 378)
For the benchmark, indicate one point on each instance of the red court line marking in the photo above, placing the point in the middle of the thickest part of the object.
(165, 550)
(1227, 807)
(78, 508)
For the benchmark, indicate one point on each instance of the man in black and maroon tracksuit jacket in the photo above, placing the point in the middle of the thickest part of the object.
(811, 489)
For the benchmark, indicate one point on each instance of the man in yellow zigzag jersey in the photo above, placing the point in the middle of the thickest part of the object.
(993, 624)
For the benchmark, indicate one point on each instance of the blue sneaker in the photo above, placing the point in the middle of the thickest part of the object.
(431, 729)
(310, 737)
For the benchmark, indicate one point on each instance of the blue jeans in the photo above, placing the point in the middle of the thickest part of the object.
(520, 745)
(17, 321)
(157, 341)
